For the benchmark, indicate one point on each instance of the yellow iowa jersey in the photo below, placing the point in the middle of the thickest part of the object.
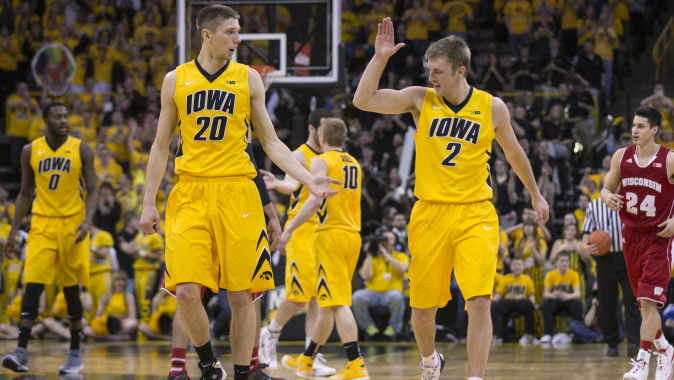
(565, 283)
(213, 114)
(343, 210)
(96, 265)
(57, 178)
(453, 146)
(516, 288)
(301, 194)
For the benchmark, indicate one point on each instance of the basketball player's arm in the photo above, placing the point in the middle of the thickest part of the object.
(612, 182)
(668, 224)
(156, 164)
(90, 184)
(517, 159)
(288, 184)
(308, 209)
(23, 201)
(276, 149)
(386, 101)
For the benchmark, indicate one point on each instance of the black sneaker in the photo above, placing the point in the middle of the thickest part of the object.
(212, 371)
(612, 351)
(182, 376)
(259, 375)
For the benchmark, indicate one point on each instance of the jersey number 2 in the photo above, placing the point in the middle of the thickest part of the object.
(647, 205)
(218, 128)
(455, 149)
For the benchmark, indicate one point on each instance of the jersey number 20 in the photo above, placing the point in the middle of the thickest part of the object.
(218, 127)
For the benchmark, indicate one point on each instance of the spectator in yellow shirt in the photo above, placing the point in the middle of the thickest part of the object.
(604, 36)
(416, 20)
(107, 169)
(383, 270)
(561, 293)
(22, 109)
(518, 16)
(9, 51)
(459, 14)
(515, 293)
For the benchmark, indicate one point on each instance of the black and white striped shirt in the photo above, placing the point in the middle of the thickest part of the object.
(599, 217)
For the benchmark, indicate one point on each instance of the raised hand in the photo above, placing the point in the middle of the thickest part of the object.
(384, 44)
(320, 187)
(270, 180)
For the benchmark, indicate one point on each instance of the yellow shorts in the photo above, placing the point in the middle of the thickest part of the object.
(216, 236)
(442, 237)
(301, 265)
(51, 252)
(337, 254)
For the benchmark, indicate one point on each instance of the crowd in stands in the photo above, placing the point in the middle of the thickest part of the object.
(573, 51)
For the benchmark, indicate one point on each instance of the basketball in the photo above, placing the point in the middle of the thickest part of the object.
(602, 240)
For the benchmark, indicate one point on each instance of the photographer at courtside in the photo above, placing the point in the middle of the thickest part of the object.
(383, 270)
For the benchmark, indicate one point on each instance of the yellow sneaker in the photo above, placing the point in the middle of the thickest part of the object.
(304, 367)
(288, 361)
(354, 370)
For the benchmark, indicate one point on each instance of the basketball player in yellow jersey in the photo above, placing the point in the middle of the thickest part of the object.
(453, 225)
(58, 244)
(337, 247)
(215, 235)
(301, 267)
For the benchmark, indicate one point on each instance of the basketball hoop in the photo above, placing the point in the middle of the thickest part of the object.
(266, 73)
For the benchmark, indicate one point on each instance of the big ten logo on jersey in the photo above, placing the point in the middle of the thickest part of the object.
(211, 100)
(54, 164)
(457, 128)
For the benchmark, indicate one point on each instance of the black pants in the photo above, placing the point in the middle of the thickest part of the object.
(553, 307)
(611, 273)
(502, 310)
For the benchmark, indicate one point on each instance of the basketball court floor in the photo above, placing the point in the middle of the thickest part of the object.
(128, 360)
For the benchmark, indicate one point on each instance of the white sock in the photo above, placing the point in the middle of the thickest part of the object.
(431, 361)
(644, 355)
(275, 328)
(661, 343)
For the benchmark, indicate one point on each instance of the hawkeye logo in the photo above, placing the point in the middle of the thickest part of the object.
(324, 209)
(265, 257)
(322, 288)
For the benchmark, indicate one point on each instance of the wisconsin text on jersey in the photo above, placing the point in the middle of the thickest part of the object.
(645, 182)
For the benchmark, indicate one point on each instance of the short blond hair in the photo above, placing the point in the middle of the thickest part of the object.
(334, 131)
(212, 16)
(453, 49)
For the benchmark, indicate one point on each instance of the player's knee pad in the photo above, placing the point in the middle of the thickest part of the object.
(72, 295)
(30, 302)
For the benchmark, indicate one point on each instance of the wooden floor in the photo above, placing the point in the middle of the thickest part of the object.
(126, 360)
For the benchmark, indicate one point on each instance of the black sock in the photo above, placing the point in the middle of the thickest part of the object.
(205, 353)
(24, 335)
(75, 339)
(241, 372)
(352, 350)
(312, 349)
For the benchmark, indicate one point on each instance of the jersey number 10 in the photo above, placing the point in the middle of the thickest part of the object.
(350, 177)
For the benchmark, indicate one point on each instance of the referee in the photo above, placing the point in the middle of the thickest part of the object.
(611, 272)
